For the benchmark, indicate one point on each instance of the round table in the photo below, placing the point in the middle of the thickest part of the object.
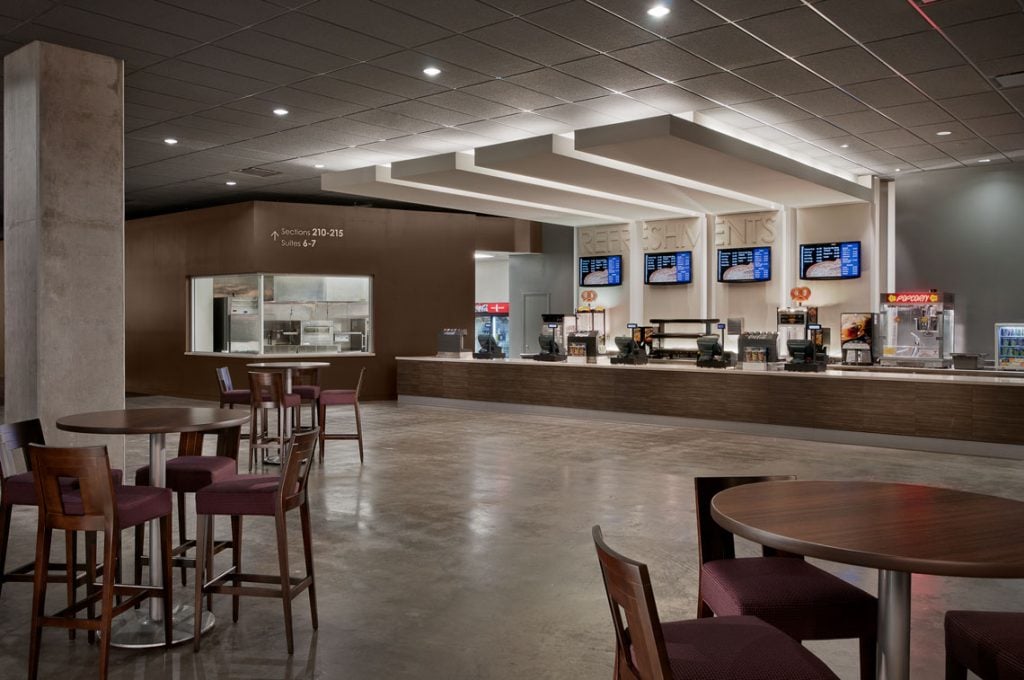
(146, 630)
(898, 529)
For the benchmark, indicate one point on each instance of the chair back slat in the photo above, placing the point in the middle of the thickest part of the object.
(224, 379)
(190, 444)
(714, 542)
(305, 376)
(14, 438)
(267, 389)
(640, 643)
(297, 465)
(88, 508)
(359, 383)
(228, 442)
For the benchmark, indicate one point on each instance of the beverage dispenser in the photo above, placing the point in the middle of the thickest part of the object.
(793, 322)
(917, 329)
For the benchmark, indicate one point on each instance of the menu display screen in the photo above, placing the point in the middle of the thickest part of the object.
(830, 260)
(663, 269)
(605, 270)
(741, 265)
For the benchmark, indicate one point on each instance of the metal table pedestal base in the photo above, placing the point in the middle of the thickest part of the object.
(137, 630)
(893, 625)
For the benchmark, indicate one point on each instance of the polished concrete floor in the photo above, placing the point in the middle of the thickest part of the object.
(462, 550)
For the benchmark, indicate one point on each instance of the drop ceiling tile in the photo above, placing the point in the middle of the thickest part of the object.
(731, 118)
(543, 47)
(577, 116)
(1014, 142)
(537, 125)
(782, 77)
(1016, 96)
(797, 31)
(558, 84)
(430, 113)
(828, 102)
(922, 113)
(159, 16)
(97, 26)
(608, 73)
(920, 152)
(395, 120)
(245, 65)
(511, 94)
(665, 61)
(686, 16)
(925, 51)
(201, 122)
(352, 131)
(238, 117)
(152, 82)
(891, 139)
(1002, 66)
(886, 92)
(493, 130)
(478, 56)
(387, 81)
(330, 87)
(956, 131)
(518, 7)
(976, 105)
(737, 10)
(770, 134)
(951, 13)
(210, 77)
(468, 104)
(292, 99)
(238, 12)
(807, 149)
(163, 101)
(966, 148)
(846, 145)
(24, 11)
(671, 99)
(297, 116)
(862, 121)
(869, 20)
(458, 15)
(621, 107)
(281, 51)
(956, 81)
(1006, 124)
(458, 138)
(589, 25)
(133, 58)
(811, 129)
(875, 159)
(289, 144)
(943, 163)
(323, 35)
(990, 38)
(411, 64)
(724, 88)
(727, 47)
(773, 111)
(377, 21)
(847, 65)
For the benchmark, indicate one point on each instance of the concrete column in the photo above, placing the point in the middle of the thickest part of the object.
(64, 236)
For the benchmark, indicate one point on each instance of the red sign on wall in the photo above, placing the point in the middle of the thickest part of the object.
(492, 308)
(911, 298)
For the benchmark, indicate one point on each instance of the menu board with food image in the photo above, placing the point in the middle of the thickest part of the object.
(668, 268)
(605, 270)
(739, 265)
(856, 329)
(830, 260)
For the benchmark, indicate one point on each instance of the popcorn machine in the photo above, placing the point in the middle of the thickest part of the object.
(917, 329)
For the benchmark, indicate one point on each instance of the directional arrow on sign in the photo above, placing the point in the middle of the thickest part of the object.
(274, 235)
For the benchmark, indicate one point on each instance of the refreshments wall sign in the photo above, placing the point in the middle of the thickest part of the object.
(304, 237)
(911, 298)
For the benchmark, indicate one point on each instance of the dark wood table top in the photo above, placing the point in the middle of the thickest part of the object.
(154, 420)
(289, 364)
(900, 527)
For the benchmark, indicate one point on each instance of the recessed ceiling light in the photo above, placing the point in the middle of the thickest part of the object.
(432, 71)
(984, 160)
(482, 256)
(318, 165)
(280, 112)
(658, 11)
(231, 182)
(943, 133)
(526, 110)
(898, 169)
(844, 146)
(171, 141)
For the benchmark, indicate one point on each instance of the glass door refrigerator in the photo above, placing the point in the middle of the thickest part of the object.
(492, 319)
(1009, 347)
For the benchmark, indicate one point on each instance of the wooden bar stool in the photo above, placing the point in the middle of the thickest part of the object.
(95, 506)
(341, 397)
(268, 393)
(229, 396)
(268, 496)
(306, 384)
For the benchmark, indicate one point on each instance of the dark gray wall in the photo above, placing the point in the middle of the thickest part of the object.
(550, 272)
(962, 231)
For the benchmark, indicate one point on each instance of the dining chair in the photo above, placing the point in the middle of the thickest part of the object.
(229, 396)
(95, 506)
(258, 495)
(989, 644)
(722, 648)
(188, 473)
(267, 389)
(798, 598)
(306, 384)
(342, 397)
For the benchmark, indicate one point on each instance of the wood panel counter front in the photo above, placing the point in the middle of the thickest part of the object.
(949, 406)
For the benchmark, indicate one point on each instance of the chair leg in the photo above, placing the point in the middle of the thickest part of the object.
(286, 583)
(954, 671)
(307, 549)
(5, 535)
(181, 529)
(38, 598)
(359, 433)
(140, 539)
(868, 658)
(110, 550)
(322, 408)
(200, 577)
(168, 580)
(90, 576)
(70, 570)
(236, 561)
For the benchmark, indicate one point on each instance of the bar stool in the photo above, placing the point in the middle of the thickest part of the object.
(341, 397)
(188, 473)
(267, 391)
(306, 384)
(989, 644)
(229, 396)
(268, 496)
(94, 506)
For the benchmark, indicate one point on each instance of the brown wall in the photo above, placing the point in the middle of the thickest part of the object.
(421, 264)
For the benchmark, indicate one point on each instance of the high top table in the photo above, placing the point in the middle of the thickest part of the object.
(898, 529)
(146, 630)
(286, 367)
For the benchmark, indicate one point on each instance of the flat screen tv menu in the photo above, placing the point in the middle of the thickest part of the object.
(830, 260)
(745, 264)
(668, 268)
(601, 271)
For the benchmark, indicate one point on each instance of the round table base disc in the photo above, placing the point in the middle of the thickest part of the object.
(136, 630)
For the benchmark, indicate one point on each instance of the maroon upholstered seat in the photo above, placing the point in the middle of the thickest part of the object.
(189, 474)
(336, 397)
(135, 504)
(798, 598)
(234, 397)
(20, 489)
(242, 495)
(722, 648)
(989, 644)
(306, 391)
(229, 396)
